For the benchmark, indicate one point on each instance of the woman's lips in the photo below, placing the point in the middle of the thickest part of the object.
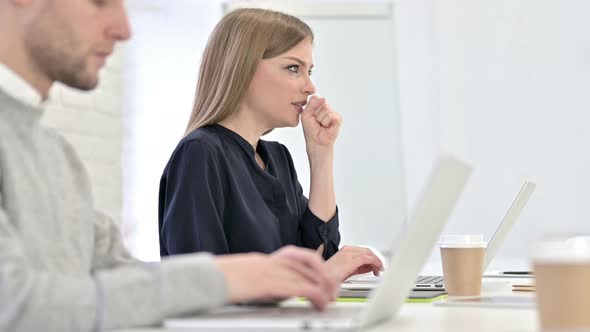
(298, 108)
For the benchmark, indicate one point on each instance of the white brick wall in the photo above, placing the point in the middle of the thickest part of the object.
(93, 123)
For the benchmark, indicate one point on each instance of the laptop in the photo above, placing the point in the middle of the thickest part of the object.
(437, 282)
(434, 206)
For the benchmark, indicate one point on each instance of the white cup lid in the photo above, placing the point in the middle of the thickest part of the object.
(571, 250)
(462, 241)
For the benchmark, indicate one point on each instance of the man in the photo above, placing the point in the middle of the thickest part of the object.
(63, 266)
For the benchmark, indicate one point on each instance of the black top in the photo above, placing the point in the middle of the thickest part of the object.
(215, 197)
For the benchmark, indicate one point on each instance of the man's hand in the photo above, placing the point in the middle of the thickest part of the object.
(289, 272)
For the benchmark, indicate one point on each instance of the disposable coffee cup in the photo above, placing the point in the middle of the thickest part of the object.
(562, 277)
(462, 261)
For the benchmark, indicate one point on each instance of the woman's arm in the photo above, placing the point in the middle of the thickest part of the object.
(322, 198)
(321, 126)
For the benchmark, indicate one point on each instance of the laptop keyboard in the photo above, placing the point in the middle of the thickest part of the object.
(425, 281)
(437, 281)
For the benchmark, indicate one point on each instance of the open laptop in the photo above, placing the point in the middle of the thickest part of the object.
(437, 282)
(435, 204)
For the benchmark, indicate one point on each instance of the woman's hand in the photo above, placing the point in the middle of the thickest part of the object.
(321, 125)
(288, 272)
(351, 260)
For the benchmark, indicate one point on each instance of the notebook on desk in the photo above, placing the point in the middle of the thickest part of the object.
(445, 184)
(437, 282)
(421, 296)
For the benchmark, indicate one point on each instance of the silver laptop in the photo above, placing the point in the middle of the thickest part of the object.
(437, 282)
(435, 204)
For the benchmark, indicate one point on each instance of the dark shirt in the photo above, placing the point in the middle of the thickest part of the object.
(215, 197)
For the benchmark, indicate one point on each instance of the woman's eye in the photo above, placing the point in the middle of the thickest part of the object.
(293, 68)
(309, 73)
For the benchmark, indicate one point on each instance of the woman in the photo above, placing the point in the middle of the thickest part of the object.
(224, 189)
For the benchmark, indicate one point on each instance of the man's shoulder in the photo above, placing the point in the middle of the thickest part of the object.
(69, 154)
(7, 116)
(54, 135)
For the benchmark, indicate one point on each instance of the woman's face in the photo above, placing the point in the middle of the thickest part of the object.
(280, 87)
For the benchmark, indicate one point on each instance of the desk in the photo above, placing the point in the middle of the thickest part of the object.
(423, 317)
(428, 317)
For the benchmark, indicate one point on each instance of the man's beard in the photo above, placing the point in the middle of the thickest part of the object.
(57, 53)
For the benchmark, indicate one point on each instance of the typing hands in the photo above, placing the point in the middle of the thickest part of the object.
(288, 272)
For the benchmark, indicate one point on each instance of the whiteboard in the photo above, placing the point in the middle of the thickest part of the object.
(355, 69)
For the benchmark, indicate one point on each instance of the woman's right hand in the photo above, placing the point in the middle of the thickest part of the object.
(351, 260)
(321, 127)
(288, 272)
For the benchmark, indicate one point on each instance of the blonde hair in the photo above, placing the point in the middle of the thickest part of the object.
(238, 43)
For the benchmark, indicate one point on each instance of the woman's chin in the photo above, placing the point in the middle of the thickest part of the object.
(290, 124)
(296, 122)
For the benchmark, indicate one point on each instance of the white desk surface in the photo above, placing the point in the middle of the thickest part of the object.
(428, 317)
